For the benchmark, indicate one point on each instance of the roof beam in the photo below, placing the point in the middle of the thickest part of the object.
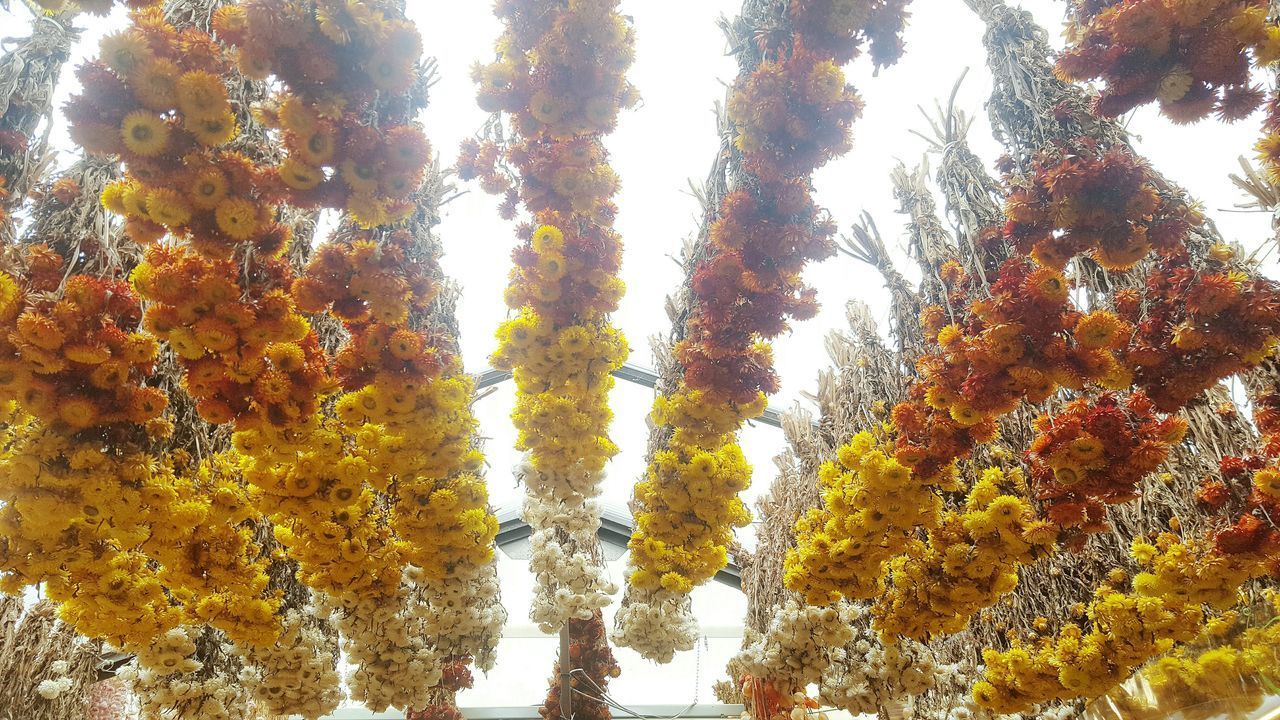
(630, 373)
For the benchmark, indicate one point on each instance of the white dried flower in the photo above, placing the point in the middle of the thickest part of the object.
(656, 623)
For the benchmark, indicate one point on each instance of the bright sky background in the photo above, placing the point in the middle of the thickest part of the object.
(681, 71)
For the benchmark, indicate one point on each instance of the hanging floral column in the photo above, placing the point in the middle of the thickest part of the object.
(560, 78)
(791, 111)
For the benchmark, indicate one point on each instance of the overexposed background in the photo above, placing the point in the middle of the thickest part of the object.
(682, 70)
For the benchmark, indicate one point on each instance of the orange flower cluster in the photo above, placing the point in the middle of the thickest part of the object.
(1197, 323)
(540, 81)
(372, 287)
(156, 97)
(834, 29)
(1095, 452)
(1266, 415)
(589, 657)
(1102, 202)
(1256, 534)
(1194, 58)
(793, 113)
(249, 356)
(74, 359)
(563, 96)
(1021, 343)
(336, 59)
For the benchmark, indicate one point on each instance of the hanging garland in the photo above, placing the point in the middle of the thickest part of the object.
(399, 491)
(792, 112)
(560, 76)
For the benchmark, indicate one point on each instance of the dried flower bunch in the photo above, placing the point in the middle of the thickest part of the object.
(792, 112)
(560, 80)
(1194, 59)
(338, 62)
(1096, 452)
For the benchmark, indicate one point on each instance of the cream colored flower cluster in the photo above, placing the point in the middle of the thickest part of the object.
(865, 674)
(970, 711)
(58, 683)
(462, 616)
(796, 649)
(574, 485)
(170, 682)
(395, 666)
(656, 623)
(570, 582)
(298, 674)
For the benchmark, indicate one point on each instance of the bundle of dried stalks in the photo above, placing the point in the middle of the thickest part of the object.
(1029, 109)
(68, 217)
(929, 241)
(11, 609)
(905, 302)
(47, 668)
(29, 71)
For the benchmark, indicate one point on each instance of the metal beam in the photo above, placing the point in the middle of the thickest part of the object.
(615, 530)
(629, 373)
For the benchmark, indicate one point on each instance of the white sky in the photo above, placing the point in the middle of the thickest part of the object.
(681, 70)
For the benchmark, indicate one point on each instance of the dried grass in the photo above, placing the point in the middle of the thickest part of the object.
(31, 646)
(29, 72)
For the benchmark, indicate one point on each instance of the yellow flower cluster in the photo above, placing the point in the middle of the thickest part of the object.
(967, 563)
(1220, 682)
(209, 559)
(1226, 672)
(418, 443)
(62, 496)
(688, 502)
(129, 547)
(116, 596)
(871, 508)
(1127, 629)
(321, 498)
(1191, 572)
(75, 518)
(563, 377)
